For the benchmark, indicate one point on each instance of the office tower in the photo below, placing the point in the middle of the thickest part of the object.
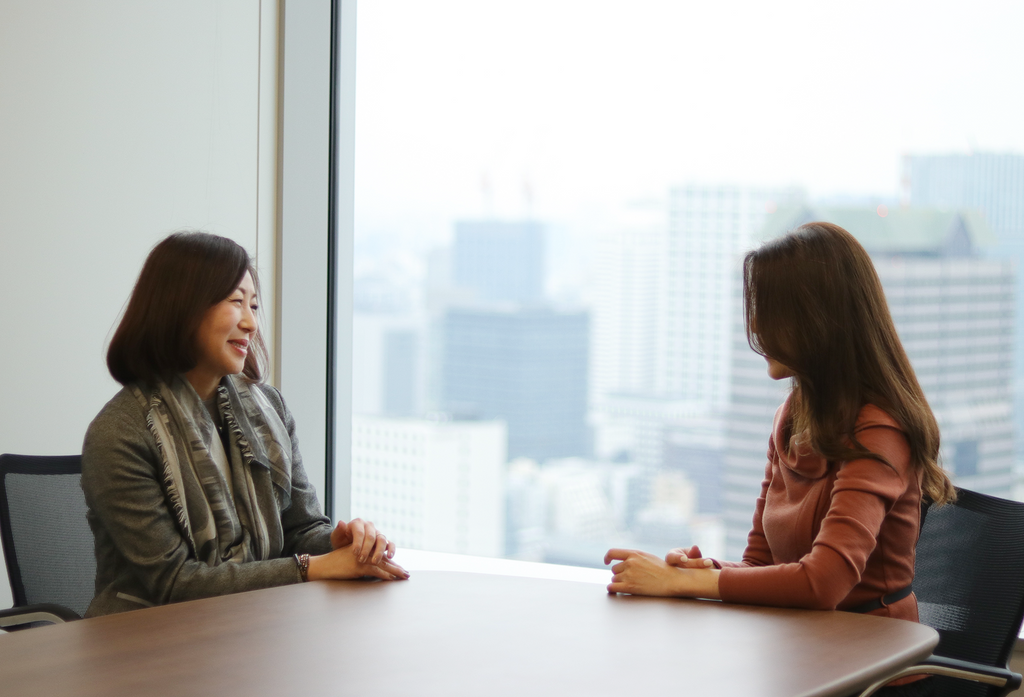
(992, 183)
(954, 311)
(989, 182)
(709, 228)
(526, 366)
(663, 315)
(628, 261)
(436, 485)
(389, 362)
(662, 305)
(501, 261)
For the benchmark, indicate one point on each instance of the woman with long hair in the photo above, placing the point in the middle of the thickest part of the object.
(852, 450)
(192, 473)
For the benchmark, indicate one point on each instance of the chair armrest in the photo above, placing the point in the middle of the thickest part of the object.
(977, 668)
(1006, 680)
(13, 618)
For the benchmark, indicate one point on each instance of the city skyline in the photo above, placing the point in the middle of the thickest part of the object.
(650, 146)
(651, 432)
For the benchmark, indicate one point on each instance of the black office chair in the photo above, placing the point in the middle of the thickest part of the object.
(47, 542)
(969, 582)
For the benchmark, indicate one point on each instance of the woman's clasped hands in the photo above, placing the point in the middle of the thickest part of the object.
(682, 573)
(358, 550)
(688, 558)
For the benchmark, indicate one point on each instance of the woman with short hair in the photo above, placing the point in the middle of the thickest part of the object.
(851, 451)
(192, 473)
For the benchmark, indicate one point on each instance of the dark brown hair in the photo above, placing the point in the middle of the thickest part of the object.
(813, 302)
(185, 275)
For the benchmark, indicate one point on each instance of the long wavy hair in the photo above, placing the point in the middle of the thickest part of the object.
(813, 302)
(184, 275)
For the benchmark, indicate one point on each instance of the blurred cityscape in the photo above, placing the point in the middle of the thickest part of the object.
(495, 418)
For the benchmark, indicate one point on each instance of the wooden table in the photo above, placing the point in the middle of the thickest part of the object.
(451, 634)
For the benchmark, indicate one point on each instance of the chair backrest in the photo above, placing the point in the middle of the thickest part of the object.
(47, 542)
(969, 579)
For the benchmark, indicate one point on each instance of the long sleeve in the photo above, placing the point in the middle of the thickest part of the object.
(862, 493)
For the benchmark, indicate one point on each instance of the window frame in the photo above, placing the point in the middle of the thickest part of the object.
(313, 294)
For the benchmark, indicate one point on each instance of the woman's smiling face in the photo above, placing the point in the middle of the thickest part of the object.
(222, 340)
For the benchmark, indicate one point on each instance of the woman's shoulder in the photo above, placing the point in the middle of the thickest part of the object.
(880, 433)
(119, 427)
(872, 416)
(123, 409)
(271, 394)
(268, 391)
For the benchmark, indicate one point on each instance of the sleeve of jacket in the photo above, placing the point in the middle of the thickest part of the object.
(123, 491)
(306, 528)
(865, 491)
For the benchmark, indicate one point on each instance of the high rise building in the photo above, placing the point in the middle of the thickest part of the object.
(663, 315)
(992, 183)
(709, 228)
(389, 363)
(954, 312)
(526, 366)
(501, 261)
(628, 269)
(628, 273)
(436, 485)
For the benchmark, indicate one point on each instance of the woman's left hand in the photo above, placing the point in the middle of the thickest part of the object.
(641, 573)
(342, 564)
(370, 546)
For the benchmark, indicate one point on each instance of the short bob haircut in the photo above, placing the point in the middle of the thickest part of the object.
(185, 275)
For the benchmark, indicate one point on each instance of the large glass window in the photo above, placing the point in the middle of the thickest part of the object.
(552, 199)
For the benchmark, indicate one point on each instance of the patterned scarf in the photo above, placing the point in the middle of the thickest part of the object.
(216, 527)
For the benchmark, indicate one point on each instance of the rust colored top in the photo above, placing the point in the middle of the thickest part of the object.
(832, 535)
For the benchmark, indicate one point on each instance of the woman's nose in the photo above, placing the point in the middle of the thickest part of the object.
(248, 320)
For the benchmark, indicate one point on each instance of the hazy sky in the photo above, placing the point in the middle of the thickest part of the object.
(588, 104)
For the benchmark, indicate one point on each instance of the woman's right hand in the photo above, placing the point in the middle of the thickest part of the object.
(688, 558)
(343, 563)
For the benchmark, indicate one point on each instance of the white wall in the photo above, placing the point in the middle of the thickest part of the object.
(120, 121)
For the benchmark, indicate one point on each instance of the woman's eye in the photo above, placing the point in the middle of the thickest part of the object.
(254, 307)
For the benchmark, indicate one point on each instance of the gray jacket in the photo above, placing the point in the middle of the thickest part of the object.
(141, 557)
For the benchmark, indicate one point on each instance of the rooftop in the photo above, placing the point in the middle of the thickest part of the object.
(900, 230)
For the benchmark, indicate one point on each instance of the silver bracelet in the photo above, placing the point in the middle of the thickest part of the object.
(303, 561)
